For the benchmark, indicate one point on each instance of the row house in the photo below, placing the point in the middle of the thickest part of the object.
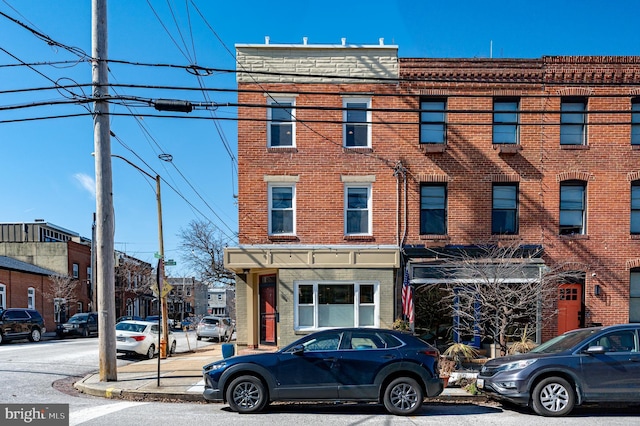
(356, 165)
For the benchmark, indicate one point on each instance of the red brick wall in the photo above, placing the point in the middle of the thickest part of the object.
(17, 286)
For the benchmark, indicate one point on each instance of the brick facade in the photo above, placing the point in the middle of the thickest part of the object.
(469, 163)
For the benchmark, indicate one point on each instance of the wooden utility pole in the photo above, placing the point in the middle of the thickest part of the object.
(105, 222)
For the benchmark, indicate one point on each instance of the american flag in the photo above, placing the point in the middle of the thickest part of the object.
(407, 297)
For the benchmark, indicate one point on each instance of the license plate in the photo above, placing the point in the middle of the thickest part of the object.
(480, 383)
(120, 339)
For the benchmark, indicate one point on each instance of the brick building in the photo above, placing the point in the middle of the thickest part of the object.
(354, 163)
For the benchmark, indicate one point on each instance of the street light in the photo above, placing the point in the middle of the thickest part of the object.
(161, 295)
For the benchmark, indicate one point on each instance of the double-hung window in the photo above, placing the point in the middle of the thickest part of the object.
(635, 207)
(573, 121)
(504, 215)
(357, 209)
(31, 298)
(505, 121)
(433, 209)
(572, 207)
(433, 121)
(357, 122)
(635, 121)
(281, 131)
(3, 296)
(282, 209)
(336, 304)
(634, 296)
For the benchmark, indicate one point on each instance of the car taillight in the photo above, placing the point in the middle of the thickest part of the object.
(431, 352)
(138, 338)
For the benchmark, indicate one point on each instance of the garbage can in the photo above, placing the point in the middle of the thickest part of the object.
(228, 350)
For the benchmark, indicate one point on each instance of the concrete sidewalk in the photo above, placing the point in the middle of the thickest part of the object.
(181, 379)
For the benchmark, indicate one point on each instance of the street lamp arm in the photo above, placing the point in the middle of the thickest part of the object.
(134, 166)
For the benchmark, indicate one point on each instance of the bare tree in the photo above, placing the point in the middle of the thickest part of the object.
(496, 291)
(63, 287)
(134, 275)
(202, 248)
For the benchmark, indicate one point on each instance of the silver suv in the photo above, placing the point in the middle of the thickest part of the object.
(21, 323)
(212, 327)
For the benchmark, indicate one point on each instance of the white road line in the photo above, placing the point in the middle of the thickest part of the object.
(86, 414)
(197, 388)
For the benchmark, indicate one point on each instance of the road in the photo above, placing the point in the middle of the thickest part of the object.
(38, 373)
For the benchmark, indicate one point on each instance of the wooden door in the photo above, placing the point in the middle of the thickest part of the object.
(268, 311)
(569, 307)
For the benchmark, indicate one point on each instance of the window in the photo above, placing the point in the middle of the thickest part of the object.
(572, 207)
(336, 304)
(356, 118)
(281, 116)
(504, 215)
(635, 121)
(31, 298)
(634, 296)
(3, 296)
(433, 209)
(282, 210)
(79, 307)
(357, 210)
(635, 207)
(505, 121)
(573, 121)
(433, 125)
(76, 270)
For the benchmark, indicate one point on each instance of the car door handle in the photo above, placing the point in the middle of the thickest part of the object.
(330, 359)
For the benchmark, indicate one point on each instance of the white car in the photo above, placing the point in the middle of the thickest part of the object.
(141, 338)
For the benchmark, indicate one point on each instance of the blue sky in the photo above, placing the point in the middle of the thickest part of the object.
(46, 168)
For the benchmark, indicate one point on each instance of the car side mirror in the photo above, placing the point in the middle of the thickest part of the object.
(596, 350)
(297, 350)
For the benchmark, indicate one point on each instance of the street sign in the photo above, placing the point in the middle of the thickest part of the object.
(166, 288)
(169, 262)
(157, 255)
(154, 289)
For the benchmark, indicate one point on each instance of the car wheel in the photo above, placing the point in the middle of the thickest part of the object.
(247, 394)
(35, 335)
(172, 349)
(151, 352)
(198, 338)
(403, 396)
(553, 397)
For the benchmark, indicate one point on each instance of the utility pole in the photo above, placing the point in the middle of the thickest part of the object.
(105, 222)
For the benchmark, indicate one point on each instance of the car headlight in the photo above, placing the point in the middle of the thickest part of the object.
(517, 365)
(214, 366)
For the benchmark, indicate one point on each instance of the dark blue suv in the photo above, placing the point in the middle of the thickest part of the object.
(346, 364)
(588, 365)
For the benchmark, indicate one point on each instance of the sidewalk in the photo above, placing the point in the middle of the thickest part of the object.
(181, 379)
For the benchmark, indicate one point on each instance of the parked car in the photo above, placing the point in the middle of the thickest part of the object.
(589, 365)
(347, 364)
(156, 318)
(141, 338)
(21, 323)
(130, 318)
(212, 327)
(80, 324)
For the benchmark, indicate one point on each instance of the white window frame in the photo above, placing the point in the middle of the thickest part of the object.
(75, 270)
(275, 100)
(271, 186)
(31, 298)
(346, 101)
(315, 305)
(3, 296)
(369, 209)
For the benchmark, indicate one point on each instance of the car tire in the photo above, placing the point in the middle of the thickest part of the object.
(151, 352)
(553, 397)
(35, 335)
(247, 394)
(172, 349)
(403, 396)
(198, 338)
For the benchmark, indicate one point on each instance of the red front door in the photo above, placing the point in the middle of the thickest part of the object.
(569, 307)
(268, 309)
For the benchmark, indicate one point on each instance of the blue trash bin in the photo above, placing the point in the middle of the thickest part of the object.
(228, 350)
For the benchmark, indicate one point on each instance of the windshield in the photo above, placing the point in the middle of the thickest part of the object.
(78, 318)
(564, 342)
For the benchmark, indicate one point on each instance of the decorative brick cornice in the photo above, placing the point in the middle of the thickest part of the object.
(574, 175)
